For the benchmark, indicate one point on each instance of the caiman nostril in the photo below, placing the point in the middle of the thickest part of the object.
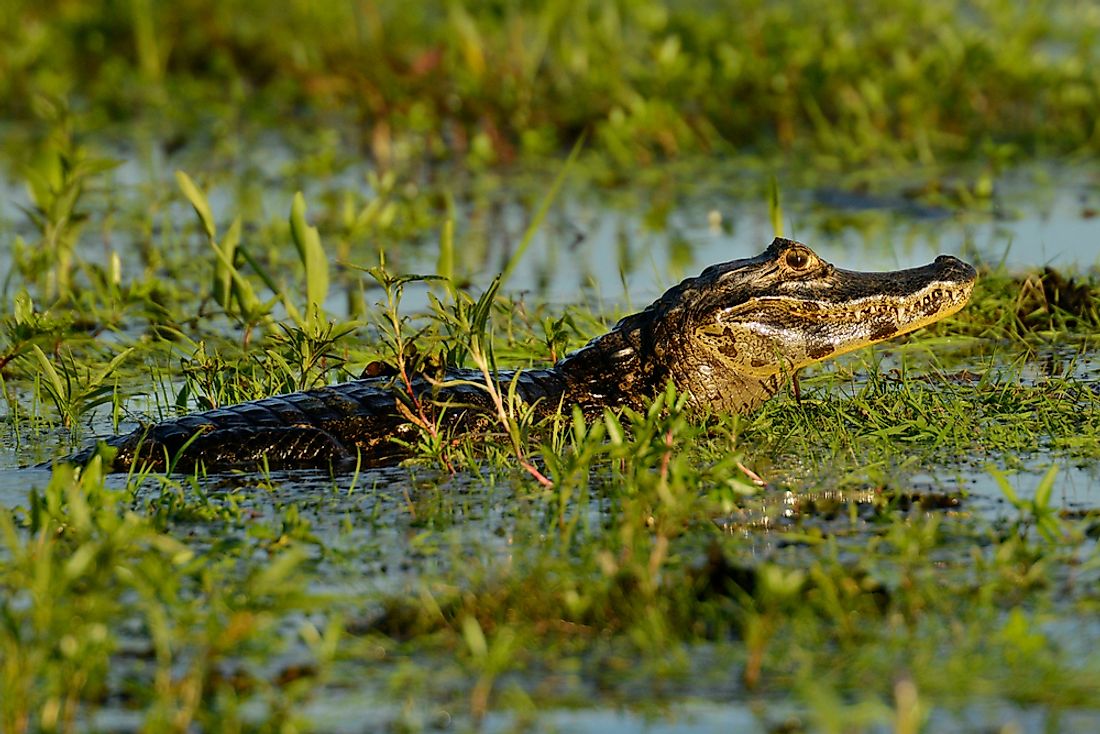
(956, 267)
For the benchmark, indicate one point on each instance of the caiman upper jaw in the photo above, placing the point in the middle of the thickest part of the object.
(962, 271)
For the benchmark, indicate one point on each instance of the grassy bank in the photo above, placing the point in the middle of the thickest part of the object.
(490, 82)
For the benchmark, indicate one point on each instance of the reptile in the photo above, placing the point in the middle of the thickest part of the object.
(728, 339)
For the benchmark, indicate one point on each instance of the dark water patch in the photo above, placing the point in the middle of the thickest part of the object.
(838, 200)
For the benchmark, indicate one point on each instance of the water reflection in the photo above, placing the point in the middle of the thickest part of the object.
(626, 248)
(619, 246)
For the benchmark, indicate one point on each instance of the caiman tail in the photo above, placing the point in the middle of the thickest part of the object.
(362, 422)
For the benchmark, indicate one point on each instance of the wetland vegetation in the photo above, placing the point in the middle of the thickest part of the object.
(203, 203)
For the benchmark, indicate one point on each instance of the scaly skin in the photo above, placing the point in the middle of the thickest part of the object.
(726, 338)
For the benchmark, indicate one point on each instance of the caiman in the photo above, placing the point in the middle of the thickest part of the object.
(728, 339)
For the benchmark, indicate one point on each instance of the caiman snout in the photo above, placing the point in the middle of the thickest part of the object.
(955, 267)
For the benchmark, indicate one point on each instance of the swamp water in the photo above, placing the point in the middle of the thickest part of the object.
(394, 532)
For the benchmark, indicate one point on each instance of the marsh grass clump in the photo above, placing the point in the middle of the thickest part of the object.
(57, 177)
(88, 582)
(482, 84)
(1048, 305)
(24, 327)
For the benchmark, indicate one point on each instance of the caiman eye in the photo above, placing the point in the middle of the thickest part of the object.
(798, 259)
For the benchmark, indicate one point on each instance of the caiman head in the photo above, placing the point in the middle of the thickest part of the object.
(730, 336)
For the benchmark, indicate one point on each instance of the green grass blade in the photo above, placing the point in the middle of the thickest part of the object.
(198, 201)
(247, 302)
(113, 364)
(1045, 488)
(223, 273)
(775, 209)
(1004, 485)
(308, 242)
(445, 264)
(543, 210)
(55, 384)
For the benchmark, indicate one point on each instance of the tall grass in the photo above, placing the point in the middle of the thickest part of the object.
(489, 81)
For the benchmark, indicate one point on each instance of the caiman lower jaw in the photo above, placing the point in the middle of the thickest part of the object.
(844, 330)
(778, 334)
(924, 311)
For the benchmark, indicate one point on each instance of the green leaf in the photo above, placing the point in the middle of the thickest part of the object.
(198, 201)
(223, 273)
(474, 637)
(1004, 485)
(615, 433)
(113, 364)
(308, 242)
(480, 315)
(273, 578)
(55, 385)
(775, 209)
(1045, 488)
(247, 302)
(23, 307)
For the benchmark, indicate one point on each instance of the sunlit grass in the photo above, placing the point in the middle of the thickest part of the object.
(910, 553)
(640, 563)
(487, 83)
